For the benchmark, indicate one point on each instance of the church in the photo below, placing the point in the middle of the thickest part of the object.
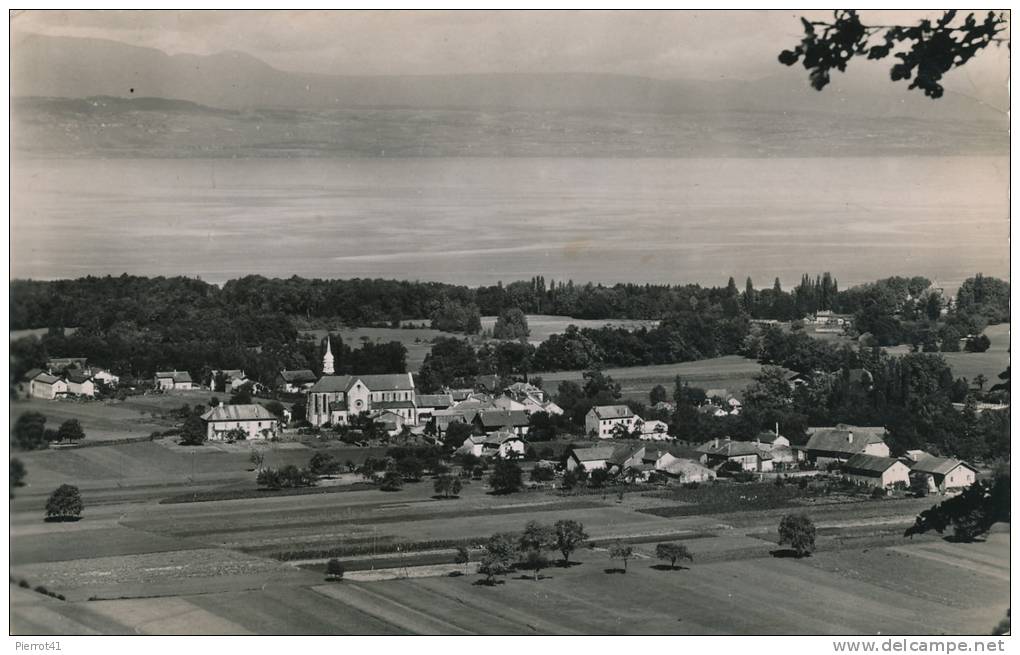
(334, 399)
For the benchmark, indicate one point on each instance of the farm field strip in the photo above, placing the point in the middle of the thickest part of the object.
(391, 611)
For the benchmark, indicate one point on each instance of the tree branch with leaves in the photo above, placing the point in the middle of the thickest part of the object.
(926, 51)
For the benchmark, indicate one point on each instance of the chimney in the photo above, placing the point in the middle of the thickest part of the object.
(850, 436)
(715, 442)
(777, 428)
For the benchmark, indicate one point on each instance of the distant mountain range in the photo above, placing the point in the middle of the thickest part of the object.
(232, 104)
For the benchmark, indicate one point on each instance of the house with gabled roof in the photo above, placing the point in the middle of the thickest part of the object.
(335, 399)
(256, 421)
(492, 420)
(173, 381)
(943, 474)
(605, 421)
(589, 458)
(875, 471)
(504, 444)
(39, 384)
(80, 383)
(838, 444)
(295, 381)
(749, 455)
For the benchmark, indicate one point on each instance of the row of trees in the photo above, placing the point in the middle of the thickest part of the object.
(30, 432)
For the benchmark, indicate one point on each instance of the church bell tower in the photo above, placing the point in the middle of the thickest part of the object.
(327, 360)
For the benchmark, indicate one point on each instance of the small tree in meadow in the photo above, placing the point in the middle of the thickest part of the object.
(671, 552)
(64, 503)
(622, 551)
(506, 477)
(71, 430)
(798, 531)
(463, 556)
(569, 535)
(498, 557)
(334, 570)
(447, 486)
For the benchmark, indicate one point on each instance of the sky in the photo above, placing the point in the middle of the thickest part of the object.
(662, 44)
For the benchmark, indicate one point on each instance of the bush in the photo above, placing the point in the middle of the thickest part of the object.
(64, 503)
(24, 584)
(391, 481)
(798, 531)
(542, 474)
(506, 477)
(334, 570)
(878, 492)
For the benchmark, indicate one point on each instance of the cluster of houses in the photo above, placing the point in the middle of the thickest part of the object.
(65, 377)
(500, 422)
(858, 454)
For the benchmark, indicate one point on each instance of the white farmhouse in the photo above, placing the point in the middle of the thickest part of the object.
(604, 421)
(255, 420)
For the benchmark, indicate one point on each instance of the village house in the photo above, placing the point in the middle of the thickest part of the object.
(389, 421)
(230, 380)
(105, 377)
(296, 381)
(531, 399)
(944, 475)
(655, 431)
(443, 418)
(604, 421)
(590, 458)
(749, 455)
(771, 440)
(173, 381)
(335, 399)
(255, 420)
(840, 443)
(875, 471)
(684, 470)
(502, 444)
(79, 383)
(493, 420)
(428, 403)
(39, 384)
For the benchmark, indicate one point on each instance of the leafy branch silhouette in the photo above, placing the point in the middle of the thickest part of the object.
(926, 51)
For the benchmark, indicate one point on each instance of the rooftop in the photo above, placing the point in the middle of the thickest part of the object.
(238, 413)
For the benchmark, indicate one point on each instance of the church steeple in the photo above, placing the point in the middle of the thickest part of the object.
(327, 359)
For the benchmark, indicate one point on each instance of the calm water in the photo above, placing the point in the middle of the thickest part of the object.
(477, 221)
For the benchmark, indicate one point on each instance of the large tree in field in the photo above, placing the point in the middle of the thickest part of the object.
(971, 514)
(71, 430)
(193, 432)
(798, 531)
(64, 503)
(17, 472)
(621, 551)
(532, 544)
(498, 558)
(506, 477)
(511, 324)
(29, 432)
(926, 51)
(569, 535)
(671, 552)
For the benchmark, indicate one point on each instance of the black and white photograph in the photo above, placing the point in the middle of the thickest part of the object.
(337, 322)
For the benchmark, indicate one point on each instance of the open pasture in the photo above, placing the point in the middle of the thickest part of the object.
(102, 420)
(543, 326)
(989, 363)
(877, 591)
(731, 372)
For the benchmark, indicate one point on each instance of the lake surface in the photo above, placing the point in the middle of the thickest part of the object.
(477, 221)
